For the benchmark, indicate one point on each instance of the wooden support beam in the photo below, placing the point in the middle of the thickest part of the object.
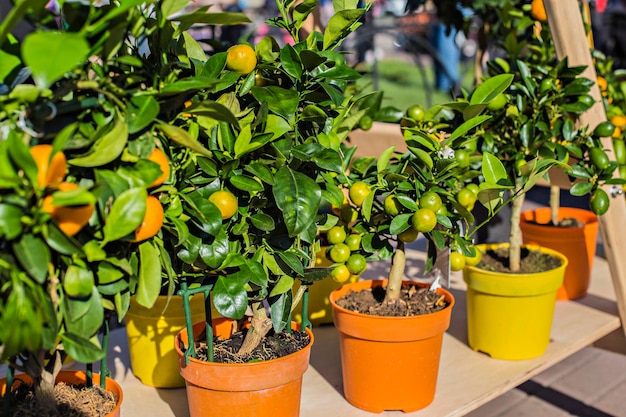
(570, 40)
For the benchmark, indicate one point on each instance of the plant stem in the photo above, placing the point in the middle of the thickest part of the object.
(515, 235)
(259, 326)
(396, 274)
(555, 196)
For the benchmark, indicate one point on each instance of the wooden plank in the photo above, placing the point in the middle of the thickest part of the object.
(566, 26)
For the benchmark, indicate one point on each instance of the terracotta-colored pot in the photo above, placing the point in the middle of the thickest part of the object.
(389, 363)
(151, 333)
(509, 316)
(578, 244)
(77, 378)
(260, 389)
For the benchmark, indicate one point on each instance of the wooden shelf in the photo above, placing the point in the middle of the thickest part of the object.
(467, 379)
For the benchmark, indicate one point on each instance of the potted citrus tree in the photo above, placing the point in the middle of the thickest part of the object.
(72, 207)
(533, 132)
(82, 175)
(268, 149)
(429, 190)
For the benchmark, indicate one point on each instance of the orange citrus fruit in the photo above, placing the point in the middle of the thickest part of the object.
(619, 120)
(538, 11)
(152, 220)
(602, 83)
(157, 156)
(226, 202)
(241, 58)
(50, 171)
(70, 219)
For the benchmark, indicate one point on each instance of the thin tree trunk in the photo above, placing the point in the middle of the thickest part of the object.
(515, 235)
(555, 202)
(259, 326)
(396, 274)
(43, 382)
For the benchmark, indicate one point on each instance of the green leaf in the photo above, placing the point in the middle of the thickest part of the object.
(107, 148)
(290, 60)
(60, 242)
(263, 222)
(283, 285)
(204, 214)
(281, 101)
(127, 213)
(171, 7)
(339, 24)
(280, 309)
(229, 295)
(290, 263)
(466, 127)
(142, 111)
(8, 63)
(246, 183)
(400, 223)
(581, 189)
(302, 10)
(298, 197)
(490, 88)
(213, 110)
(50, 55)
(34, 256)
(10, 221)
(88, 323)
(188, 85)
(183, 138)
(81, 349)
(214, 254)
(492, 169)
(149, 279)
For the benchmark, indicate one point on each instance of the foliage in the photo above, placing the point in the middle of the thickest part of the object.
(442, 160)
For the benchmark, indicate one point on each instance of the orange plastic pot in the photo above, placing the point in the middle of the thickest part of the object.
(260, 389)
(75, 378)
(389, 363)
(578, 244)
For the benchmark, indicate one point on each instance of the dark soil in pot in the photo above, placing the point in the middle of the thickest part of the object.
(416, 301)
(567, 222)
(72, 401)
(497, 260)
(273, 346)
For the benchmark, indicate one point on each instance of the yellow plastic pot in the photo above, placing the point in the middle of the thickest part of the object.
(151, 333)
(509, 316)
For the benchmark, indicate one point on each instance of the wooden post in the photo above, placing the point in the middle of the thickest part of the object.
(570, 40)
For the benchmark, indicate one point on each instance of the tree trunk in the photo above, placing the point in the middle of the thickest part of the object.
(43, 381)
(555, 202)
(396, 274)
(259, 326)
(515, 235)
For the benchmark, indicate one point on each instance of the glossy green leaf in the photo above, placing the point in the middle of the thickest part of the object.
(183, 138)
(34, 256)
(289, 58)
(214, 110)
(86, 324)
(492, 169)
(581, 188)
(283, 285)
(490, 88)
(106, 148)
(229, 295)
(142, 110)
(339, 23)
(149, 279)
(126, 214)
(298, 197)
(50, 55)
(81, 349)
(280, 308)
(10, 221)
(284, 102)
(290, 263)
(263, 222)
(246, 183)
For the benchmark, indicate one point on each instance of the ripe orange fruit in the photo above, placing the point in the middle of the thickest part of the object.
(241, 58)
(152, 220)
(619, 120)
(226, 202)
(602, 83)
(70, 219)
(538, 11)
(157, 156)
(50, 171)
